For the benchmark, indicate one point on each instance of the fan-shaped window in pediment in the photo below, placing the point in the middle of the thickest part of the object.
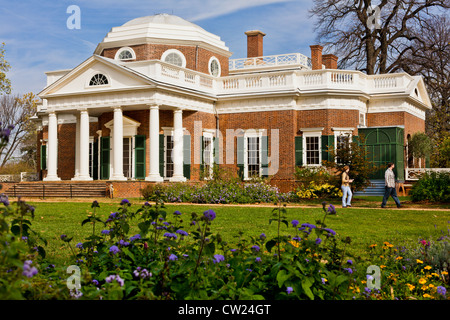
(125, 54)
(98, 80)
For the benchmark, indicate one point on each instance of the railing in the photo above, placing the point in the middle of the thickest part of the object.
(276, 79)
(270, 61)
(416, 173)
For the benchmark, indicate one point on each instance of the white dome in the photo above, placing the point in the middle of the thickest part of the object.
(160, 28)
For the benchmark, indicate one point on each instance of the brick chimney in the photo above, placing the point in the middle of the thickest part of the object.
(316, 56)
(330, 61)
(254, 43)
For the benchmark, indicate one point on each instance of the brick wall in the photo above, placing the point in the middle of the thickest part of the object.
(197, 58)
(328, 118)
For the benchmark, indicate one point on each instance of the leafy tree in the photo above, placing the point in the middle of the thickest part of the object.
(355, 155)
(5, 83)
(420, 145)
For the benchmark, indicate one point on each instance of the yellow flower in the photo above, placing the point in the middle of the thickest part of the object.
(427, 267)
(398, 258)
(410, 287)
(382, 266)
(426, 295)
(435, 274)
(422, 280)
(431, 286)
(373, 245)
(444, 273)
(419, 261)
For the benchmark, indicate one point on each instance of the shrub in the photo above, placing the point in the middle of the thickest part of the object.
(316, 191)
(432, 186)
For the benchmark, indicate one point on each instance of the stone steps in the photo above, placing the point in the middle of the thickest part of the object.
(53, 189)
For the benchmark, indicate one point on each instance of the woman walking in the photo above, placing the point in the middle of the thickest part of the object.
(346, 191)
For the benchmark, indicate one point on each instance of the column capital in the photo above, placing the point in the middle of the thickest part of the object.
(177, 110)
(153, 106)
(117, 108)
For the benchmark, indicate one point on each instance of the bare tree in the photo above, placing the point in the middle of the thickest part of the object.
(371, 36)
(430, 58)
(5, 83)
(16, 111)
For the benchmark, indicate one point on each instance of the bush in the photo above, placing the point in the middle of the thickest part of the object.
(432, 186)
(316, 183)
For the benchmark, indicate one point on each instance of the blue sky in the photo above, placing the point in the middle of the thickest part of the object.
(37, 39)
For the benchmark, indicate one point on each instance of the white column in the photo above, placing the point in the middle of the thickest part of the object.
(52, 163)
(84, 146)
(177, 153)
(153, 174)
(77, 149)
(118, 145)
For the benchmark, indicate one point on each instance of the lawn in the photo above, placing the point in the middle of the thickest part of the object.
(365, 224)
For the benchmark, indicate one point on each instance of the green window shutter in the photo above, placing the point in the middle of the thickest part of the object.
(299, 151)
(202, 160)
(240, 156)
(187, 156)
(327, 142)
(43, 157)
(216, 151)
(104, 157)
(161, 155)
(265, 156)
(139, 156)
(95, 161)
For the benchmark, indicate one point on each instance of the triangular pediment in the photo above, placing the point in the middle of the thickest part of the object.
(78, 80)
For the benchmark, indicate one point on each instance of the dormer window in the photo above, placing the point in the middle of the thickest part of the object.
(174, 57)
(214, 67)
(125, 54)
(98, 80)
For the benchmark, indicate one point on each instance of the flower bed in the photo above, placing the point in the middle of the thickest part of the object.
(177, 256)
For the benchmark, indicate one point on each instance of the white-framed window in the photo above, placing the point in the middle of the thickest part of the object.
(128, 159)
(98, 79)
(312, 151)
(208, 154)
(342, 139)
(125, 54)
(91, 157)
(252, 153)
(214, 67)
(175, 57)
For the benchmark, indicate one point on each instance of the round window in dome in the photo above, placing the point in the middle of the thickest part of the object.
(174, 57)
(214, 67)
(98, 80)
(125, 54)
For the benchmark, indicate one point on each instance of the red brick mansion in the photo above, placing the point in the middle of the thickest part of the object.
(161, 100)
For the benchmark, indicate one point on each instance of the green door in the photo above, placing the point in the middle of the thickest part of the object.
(139, 156)
(104, 158)
(385, 145)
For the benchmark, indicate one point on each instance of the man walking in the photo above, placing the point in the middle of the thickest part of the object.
(389, 186)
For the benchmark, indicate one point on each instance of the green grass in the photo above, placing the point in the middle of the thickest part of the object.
(363, 225)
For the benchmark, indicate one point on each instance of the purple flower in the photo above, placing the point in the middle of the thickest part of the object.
(113, 277)
(135, 237)
(178, 213)
(441, 290)
(4, 199)
(173, 257)
(294, 223)
(255, 248)
(114, 249)
(349, 261)
(105, 232)
(79, 245)
(349, 270)
(289, 290)
(169, 235)
(218, 258)
(331, 209)
(262, 236)
(123, 243)
(125, 201)
(95, 204)
(296, 238)
(318, 241)
(182, 232)
(209, 214)
(258, 259)
(330, 232)
(29, 271)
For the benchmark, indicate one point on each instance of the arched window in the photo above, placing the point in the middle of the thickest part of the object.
(214, 67)
(174, 57)
(98, 80)
(125, 54)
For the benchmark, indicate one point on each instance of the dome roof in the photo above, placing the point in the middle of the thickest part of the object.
(160, 28)
(162, 18)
